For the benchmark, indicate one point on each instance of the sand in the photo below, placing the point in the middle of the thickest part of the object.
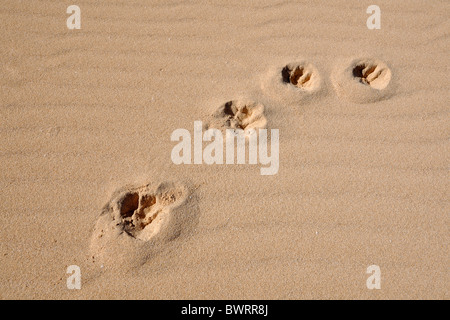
(86, 118)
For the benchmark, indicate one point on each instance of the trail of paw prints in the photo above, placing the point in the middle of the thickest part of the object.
(363, 80)
(139, 220)
(293, 83)
(238, 114)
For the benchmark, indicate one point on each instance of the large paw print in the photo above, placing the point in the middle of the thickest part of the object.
(139, 219)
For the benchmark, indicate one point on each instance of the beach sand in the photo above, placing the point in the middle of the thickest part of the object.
(86, 118)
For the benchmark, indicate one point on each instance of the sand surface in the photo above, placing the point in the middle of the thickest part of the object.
(87, 114)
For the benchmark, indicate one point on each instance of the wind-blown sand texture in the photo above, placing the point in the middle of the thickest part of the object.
(86, 176)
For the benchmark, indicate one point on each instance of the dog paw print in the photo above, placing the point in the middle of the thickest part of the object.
(299, 75)
(238, 114)
(292, 84)
(140, 219)
(372, 73)
(142, 212)
(363, 80)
